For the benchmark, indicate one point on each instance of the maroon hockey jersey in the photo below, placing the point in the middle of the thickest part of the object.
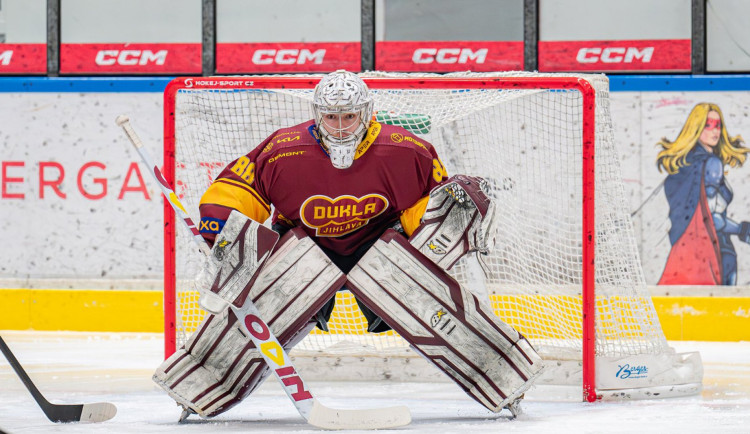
(341, 209)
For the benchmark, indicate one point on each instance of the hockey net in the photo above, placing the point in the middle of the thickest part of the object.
(565, 271)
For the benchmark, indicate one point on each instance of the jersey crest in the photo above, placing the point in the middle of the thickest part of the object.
(342, 215)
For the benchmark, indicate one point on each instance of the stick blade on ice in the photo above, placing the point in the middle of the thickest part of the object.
(67, 413)
(380, 418)
(98, 412)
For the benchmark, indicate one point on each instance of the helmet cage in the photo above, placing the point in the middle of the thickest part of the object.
(339, 136)
(338, 94)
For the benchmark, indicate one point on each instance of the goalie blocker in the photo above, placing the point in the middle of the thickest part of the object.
(445, 322)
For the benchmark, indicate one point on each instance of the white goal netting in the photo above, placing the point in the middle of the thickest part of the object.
(527, 143)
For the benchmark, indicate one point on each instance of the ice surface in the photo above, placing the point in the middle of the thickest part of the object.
(74, 368)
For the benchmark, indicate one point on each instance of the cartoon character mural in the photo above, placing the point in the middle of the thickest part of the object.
(699, 194)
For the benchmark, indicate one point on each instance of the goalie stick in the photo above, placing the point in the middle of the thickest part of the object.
(96, 412)
(273, 353)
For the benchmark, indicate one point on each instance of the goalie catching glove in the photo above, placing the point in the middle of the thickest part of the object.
(460, 218)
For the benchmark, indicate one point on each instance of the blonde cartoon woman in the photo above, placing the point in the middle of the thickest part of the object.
(699, 195)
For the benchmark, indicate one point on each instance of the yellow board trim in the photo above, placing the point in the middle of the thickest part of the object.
(82, 310)
(682, 318)
(704, 318)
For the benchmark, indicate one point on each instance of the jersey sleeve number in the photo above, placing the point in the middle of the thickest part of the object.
(438, 170)
(244, 169)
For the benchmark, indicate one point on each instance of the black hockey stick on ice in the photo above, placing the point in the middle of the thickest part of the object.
(265, 341)
(96, 412)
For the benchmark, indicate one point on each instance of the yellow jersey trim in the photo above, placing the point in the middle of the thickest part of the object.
(411, 217)
(372, 134)
(239, 196)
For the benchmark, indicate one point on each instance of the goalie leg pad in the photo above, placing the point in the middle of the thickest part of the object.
(219, 366)
(459, 219)
(444, 322)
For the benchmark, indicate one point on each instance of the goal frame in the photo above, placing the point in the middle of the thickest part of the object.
(588, 118)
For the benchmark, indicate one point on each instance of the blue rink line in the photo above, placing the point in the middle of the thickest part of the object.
(618, 83)
(84, 84)
(677, 83)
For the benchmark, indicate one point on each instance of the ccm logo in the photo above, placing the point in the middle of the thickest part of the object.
(449, 55)
(130, 57)
(614, 55)
(5, 57)
(288, 56)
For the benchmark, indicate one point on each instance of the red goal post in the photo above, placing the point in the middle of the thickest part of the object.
(586, 115)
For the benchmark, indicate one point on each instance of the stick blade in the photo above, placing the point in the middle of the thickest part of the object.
(98, 412)
(376, 418)
(120, 120)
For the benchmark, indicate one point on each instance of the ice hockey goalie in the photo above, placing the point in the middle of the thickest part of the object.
(336, 185)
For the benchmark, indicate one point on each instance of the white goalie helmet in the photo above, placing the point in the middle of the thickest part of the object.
(342, 108)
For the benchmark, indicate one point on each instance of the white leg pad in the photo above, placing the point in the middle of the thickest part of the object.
(444, 322)
(219, 366)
